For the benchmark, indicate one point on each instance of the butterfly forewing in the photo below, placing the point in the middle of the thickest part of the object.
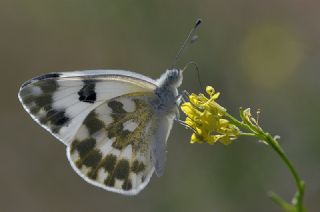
(111, 149)
(61, 101)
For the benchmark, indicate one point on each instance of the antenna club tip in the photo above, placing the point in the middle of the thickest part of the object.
(198, 22)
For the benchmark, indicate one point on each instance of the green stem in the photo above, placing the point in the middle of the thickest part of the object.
(299, 183)
(259, 133)
(237, 122)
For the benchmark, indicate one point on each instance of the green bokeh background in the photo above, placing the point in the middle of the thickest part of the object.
(259, 54)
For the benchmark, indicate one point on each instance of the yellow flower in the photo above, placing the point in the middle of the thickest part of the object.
(206, 117)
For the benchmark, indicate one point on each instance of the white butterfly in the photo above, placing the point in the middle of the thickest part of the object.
(115, 124)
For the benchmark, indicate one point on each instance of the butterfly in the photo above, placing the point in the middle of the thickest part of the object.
(114, 123)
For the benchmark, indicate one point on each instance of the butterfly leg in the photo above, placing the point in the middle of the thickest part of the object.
(183, 97)
(183, 123)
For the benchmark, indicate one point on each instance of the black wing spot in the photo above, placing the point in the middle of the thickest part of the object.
(92, 159)
(46, 76)
(87, 92)
(58, 118)
(116, 107)
(83, 147)
(109, 181)
(42, 77)
(109, 163)
(121, 170)
(127, 185)
(137, 166)
(93, 123)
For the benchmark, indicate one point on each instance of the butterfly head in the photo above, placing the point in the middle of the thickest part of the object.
(171, 78)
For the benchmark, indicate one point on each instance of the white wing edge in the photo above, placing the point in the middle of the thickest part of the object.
(103, 72)
(92, 182)
(91, 73)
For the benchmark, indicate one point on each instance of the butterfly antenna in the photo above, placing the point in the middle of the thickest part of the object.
(191, 38)
(197, 69)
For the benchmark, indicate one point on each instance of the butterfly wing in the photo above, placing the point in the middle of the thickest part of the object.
(113, 147)
(60, 102)
(159, 137)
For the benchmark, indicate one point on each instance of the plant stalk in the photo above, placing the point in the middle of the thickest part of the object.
(260, 134)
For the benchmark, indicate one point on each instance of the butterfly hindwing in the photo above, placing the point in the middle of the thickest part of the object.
(59, 102)
(112, 148)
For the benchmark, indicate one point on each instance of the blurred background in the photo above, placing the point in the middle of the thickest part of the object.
(259, 54)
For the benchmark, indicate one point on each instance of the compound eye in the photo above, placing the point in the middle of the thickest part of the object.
(171, 76)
